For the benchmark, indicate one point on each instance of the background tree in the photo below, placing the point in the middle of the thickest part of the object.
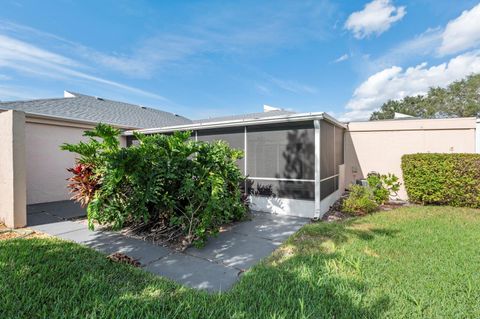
(459, 99)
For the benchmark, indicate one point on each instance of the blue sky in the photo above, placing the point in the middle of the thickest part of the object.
(213, 58)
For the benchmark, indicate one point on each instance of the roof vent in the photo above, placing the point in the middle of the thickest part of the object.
(99, 98)
(143, 107)
(67, 94)
(398, 116)
(268, 108)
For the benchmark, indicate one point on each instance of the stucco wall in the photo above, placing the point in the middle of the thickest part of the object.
(379, 145)
(12, 172)
(46, 163)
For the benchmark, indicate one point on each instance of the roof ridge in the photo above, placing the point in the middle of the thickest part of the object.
(34, 100)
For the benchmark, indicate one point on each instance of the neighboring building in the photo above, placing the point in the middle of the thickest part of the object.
(78, 107)
(52, 122)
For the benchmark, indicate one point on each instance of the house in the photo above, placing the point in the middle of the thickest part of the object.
(295, 163)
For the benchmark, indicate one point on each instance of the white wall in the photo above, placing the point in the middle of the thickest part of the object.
(46, 163)
(12, 169)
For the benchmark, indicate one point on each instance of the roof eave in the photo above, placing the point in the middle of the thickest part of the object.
(242, 122)
(70, 120)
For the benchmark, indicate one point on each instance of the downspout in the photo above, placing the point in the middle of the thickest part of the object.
(245, 159)
(317, 212)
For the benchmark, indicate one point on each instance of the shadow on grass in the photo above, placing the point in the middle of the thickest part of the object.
(53, 278)
(340, 232)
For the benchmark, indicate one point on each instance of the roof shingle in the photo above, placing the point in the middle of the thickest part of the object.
(89, 108)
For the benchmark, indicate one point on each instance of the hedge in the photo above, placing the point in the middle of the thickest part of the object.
(442, 179)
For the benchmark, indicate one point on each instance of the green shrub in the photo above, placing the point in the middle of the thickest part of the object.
(383, 186)
(360, 201)
(443, 179)
(187, 189)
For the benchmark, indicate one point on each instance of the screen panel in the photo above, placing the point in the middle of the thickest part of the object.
(339, 156)
(327, 151)
(281, 151)
(234, 136)
(327, 187)
(282, 189)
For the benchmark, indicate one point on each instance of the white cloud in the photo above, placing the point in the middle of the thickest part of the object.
(395, 83)
(292, 86)
(462, 33)
(342, 58)
(29, 59)
(375, 18)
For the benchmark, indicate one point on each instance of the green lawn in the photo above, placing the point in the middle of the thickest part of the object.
(411, 262)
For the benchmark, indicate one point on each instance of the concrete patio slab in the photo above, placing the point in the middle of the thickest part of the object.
(215, 267)
(108, 242)
(65, 209)
(235, 250)
(40, 219)
(274, 228)
(195, 272)
(56, 227)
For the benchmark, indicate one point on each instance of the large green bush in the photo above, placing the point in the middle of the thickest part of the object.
(187, 189)
(442, 179)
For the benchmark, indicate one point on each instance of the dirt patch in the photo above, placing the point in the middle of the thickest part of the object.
(8, 233)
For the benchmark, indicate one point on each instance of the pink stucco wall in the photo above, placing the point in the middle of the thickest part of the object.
(379, 145)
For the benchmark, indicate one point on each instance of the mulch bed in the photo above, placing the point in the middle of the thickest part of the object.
(335, 212)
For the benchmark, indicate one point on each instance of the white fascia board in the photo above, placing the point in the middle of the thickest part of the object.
(69, 119)
(243, 122)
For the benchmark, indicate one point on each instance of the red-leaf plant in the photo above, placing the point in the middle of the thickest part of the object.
(83, 184)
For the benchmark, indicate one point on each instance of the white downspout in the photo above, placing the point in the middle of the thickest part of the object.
(317, 212)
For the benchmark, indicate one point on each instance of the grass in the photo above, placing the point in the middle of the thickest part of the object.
(411, 263)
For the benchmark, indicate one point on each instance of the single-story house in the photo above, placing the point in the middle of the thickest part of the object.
(293, 162)
(296, 163)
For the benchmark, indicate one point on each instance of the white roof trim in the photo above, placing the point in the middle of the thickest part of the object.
(66, 119)
(297, 117)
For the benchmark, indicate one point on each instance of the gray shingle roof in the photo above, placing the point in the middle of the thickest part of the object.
(89, 108)
(245, 116)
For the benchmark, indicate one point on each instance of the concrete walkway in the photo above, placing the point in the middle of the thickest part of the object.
(215, 267)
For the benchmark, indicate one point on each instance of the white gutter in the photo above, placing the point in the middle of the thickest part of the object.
(243, 122)
(68, 119)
